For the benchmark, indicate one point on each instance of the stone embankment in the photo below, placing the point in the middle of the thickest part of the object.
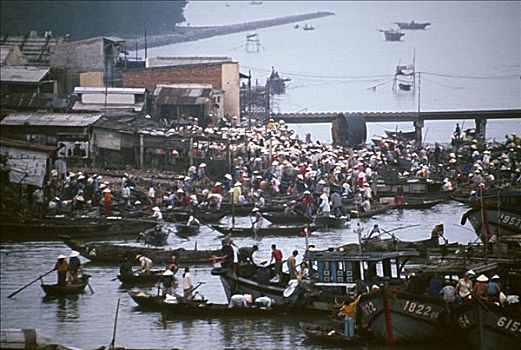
(184, 34)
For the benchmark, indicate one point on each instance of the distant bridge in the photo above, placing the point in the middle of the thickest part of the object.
(418, 119)
(327, 117)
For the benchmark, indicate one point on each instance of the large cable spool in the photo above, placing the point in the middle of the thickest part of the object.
(349, 130)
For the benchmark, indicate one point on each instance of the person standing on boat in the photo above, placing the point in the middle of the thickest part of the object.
(145, 263)
(276, 256)
(292, 265)
(448, 292)
(107, 201)
(157, 215)
(494, 288)
(246, 254)
(481, 286)
(187, 284)
(307, 202)
(74, 267)
(167, 283)
(257, 220)
(336, 204)
(374, 231)
(173, 265)
(62, 267)
(348, 310)
(464, 287)
(324, 208)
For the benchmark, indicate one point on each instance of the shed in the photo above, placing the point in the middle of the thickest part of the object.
(21, 79)
(176, 101)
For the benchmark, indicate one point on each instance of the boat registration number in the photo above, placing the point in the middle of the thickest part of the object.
(510, 220)
(368, 309)
(419, 309)
(509, 324)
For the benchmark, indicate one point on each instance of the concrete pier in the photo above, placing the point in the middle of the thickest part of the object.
(184, 34)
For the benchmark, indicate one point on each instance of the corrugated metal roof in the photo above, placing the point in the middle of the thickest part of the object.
(4, 53)
(136, 107)
(23, 74)
(6, 142)
(50, 119)
(111, 90)
(182, 96)
(184, 61)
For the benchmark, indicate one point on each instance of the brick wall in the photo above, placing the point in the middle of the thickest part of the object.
(150, 77)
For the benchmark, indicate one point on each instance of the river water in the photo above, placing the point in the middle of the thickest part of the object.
(86, 320)
(331, 69)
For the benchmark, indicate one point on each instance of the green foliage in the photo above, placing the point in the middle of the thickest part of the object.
(83, 19)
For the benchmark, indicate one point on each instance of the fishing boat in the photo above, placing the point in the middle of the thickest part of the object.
(392, 34)
(116, 254)
(332, 278)
(412, 25)
(328, 334)
(285, 218)
(156, 236)
(401, 135)
(308, 27)
(411, 203)
(84, 227)
(395, 316)
(358, 213)
(154, 276)
(331, 221)
(202, 215)
(375, 244)
(194, 308)
(69, 289)
(489, 326)
(503, 223)
(184, 230)
(272, 230)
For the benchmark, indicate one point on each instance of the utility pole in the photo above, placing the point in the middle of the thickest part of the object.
(249, 97)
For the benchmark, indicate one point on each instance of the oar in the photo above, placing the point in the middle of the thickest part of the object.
(27, 285)
(115, 327)
(90, 288)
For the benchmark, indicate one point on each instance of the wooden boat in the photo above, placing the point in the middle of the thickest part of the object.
(91, 228)
(332, 221)
(308, 27)
(77, 288)
(392, 34)
(272, 230)
(194, 308)
(488, 326)
(116, 254)
(329, 334)
(507, 223)
(157, 236)
(202, 215)
(412, 25)
(334, 276)
(283, 218)
(154, 276)
(184, 230)
(411, 203)
(374, 211)
(401, 135)
(389, 244)
(398, 317)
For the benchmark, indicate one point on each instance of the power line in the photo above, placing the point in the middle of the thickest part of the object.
(472, 76)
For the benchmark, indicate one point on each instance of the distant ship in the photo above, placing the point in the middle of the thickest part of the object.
(412, 25)
(255, 2)
(276, 83)
(308, 27)
(392, 34)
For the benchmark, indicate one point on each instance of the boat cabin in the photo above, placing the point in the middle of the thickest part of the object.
(336, 268)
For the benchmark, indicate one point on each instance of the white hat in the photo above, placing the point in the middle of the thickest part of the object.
(202, 165)
(322, 182)
(238, 183)
(375, 287)
(137, 202)
(74, 254)
(107, 190)
(168, 273)
(323, 196)
(470, 272)
(405, 173)
(255, 210)
(61, 256)
(248, 298)
(156, 208)
(193, 196)
(228, 176)
(495, 277)
(307, 192)
(482, 278)
(217, 184)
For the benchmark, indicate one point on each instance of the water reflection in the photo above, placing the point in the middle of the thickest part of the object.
(66, 307)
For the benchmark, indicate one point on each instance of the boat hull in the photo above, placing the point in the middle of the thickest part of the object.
(141, 278)
(506, 223)
(413, 318)
(500, 330)
(55, 290)
(116, 254)
(331, 221)
(265, 231)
